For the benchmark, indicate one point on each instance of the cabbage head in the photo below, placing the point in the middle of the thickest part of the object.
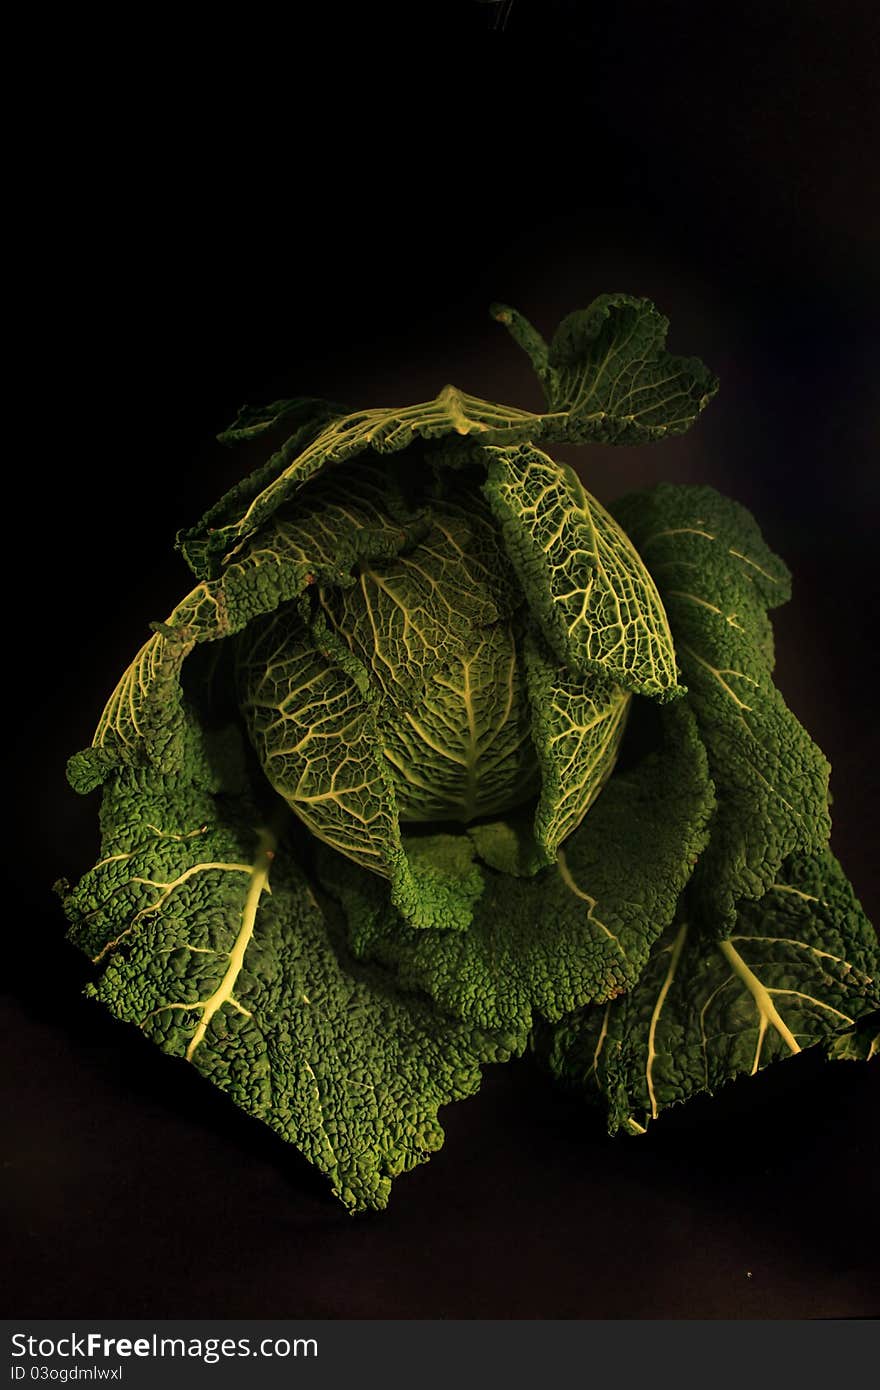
(441, 757)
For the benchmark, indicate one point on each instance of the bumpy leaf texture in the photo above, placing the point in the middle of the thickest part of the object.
(799, 966)
(212, 942)
(718, 579)
(582, 930)
(770, 952)
(440, 754)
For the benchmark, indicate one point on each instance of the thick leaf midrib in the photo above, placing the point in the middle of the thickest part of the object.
(266, 847)
(675, 956)
(768, 1014)
(592, 903)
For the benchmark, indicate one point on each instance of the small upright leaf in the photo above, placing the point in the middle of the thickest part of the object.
(607, 375)
(607, 378)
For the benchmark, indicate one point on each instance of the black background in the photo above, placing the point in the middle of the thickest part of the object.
(326, 205)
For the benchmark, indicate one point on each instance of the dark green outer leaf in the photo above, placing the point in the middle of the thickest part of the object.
(717, 579)
(800, 968)
(211, 942)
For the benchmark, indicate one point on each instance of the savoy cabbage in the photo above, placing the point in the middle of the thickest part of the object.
(440, 759)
